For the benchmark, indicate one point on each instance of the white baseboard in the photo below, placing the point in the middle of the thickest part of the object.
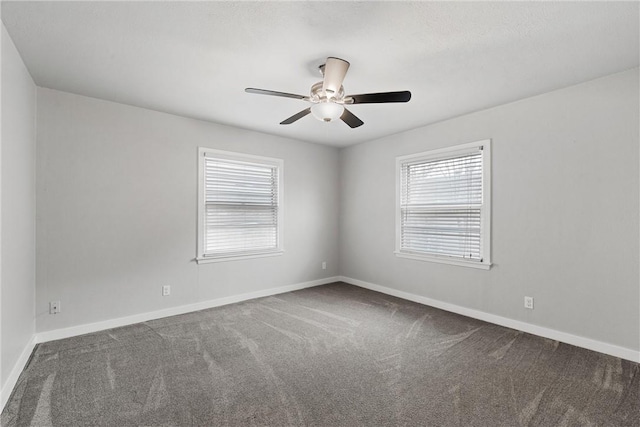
(588, 343)
(73, 331)
(12, 380)
(602, 347)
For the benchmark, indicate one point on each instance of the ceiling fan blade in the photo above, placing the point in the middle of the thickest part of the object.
(274, 93)
(349, 118)
(296, 116)
(379, 98)
(334, 71)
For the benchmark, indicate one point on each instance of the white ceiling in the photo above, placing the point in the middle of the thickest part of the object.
(195, 58)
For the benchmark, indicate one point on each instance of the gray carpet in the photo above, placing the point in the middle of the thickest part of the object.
(334, 355)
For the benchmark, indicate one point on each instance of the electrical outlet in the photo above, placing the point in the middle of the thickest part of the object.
(54, 307)
(324, 265)
(528, 303)
(166, 290)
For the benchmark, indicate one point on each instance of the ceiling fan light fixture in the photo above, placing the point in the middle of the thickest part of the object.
(327, 111)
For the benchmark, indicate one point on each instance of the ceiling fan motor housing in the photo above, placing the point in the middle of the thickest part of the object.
(320, 95)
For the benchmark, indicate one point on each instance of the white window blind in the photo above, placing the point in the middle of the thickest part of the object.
(241, 207)
(442, 205)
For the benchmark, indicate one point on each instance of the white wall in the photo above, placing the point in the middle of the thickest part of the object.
(117, 211)
(116, 188)
(564, 220)
(18, 208)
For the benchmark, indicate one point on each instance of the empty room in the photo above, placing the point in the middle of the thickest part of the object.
(320, 213)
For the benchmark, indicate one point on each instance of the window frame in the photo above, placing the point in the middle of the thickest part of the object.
(203, 152)
(485, 211)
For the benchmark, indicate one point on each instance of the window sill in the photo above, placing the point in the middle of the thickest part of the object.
(443, 260)
(206, 260)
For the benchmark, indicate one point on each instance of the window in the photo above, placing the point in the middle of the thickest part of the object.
(239, 211)
(443, 205)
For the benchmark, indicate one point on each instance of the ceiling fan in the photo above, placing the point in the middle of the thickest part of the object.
(327, 97)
